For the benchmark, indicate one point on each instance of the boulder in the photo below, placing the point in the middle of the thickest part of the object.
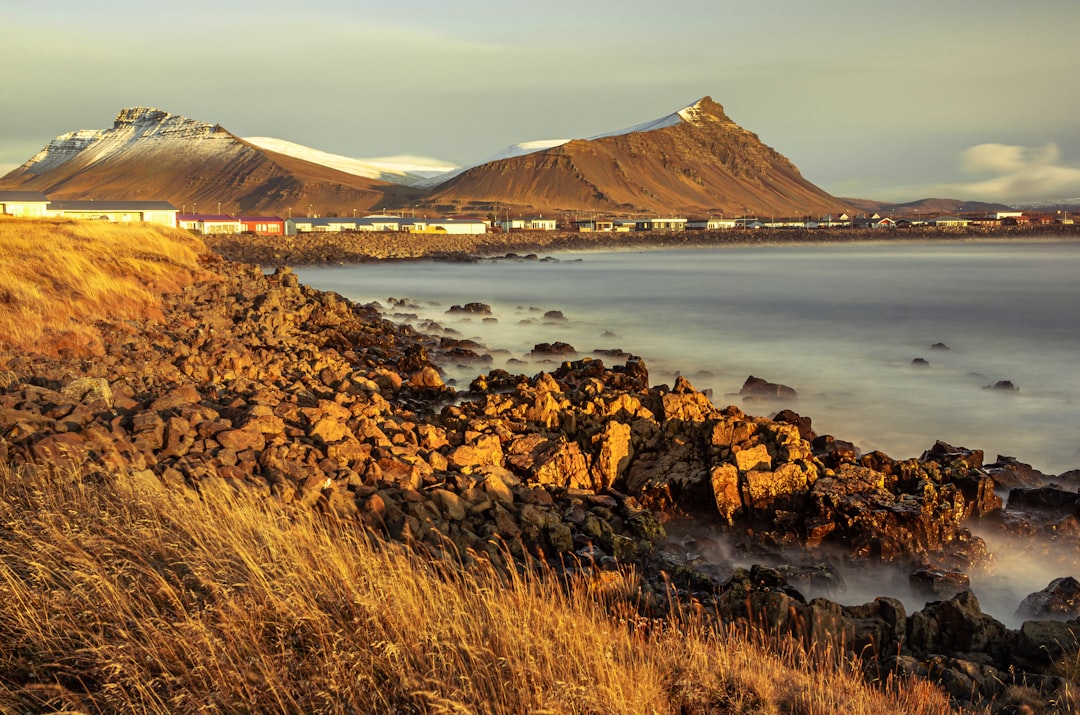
(758, 389)
(1059, 599)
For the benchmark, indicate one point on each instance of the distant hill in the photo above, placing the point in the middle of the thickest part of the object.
(924, 207)
(694, 161)
(151, 154)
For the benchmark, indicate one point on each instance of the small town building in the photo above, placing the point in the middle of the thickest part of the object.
(588, 225)
(294, 226)
(157, 212)
(446, 225)
(709, 224)
(262, 225)
(539, 223)
(874, 221)
(948, 221)
(208, 224)
(662, 224)
(380, 222)
(26, 204)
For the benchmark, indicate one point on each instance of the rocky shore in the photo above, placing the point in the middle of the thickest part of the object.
(257, 384)
(360, 246)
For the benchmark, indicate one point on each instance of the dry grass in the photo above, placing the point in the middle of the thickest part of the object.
(58, 277)
(121, 596)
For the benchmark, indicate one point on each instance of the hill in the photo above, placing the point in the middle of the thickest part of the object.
(696, 160)
(924, 207)
(151, 154)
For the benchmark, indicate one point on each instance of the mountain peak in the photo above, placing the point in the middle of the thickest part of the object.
(701, 109)
(140, 115)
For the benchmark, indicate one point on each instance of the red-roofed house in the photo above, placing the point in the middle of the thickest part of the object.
(262, 225)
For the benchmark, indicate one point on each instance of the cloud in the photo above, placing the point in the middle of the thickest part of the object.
(1003, 173)
(1007, 159)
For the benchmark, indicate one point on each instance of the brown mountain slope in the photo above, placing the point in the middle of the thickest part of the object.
(697, 161)
(150, 154)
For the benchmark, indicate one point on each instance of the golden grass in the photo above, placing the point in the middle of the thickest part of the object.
(58, 277)
(121, 596)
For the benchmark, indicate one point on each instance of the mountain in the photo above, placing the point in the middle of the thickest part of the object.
(151, 154)
(696, 160)
(924, 207)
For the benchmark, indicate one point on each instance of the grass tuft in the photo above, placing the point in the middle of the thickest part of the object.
(123, 596)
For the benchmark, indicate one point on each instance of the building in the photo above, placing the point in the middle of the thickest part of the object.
(446, 225)
(262, 225)
(380, 222)
(949, 221)
(709, 224)
(662, 224)
(874, 221)
(294, 226)
(588, 225)
(207, 224)
(157, 212)
(27, 204)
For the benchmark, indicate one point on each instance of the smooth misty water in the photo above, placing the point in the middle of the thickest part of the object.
(839, 323)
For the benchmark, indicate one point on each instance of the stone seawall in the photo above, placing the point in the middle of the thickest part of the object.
(361, 246)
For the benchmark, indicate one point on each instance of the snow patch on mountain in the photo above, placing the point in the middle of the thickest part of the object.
(404, 169)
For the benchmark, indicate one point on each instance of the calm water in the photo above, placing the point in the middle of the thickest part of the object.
(839, 323)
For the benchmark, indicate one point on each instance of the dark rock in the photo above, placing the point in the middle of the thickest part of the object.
(957, 625)
(1060, 598)
(1003, 386)
(755, 388)
(1009, 473)
(943, 584)
(556, 348)
(473, 308)
(1045, 499)
(920, 362)
(939, 346)
(805, 424)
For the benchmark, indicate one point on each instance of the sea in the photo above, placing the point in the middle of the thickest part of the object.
(890, 345)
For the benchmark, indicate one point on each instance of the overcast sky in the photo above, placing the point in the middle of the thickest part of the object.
(881, 99)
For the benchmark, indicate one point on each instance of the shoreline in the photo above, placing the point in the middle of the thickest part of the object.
(364, 247)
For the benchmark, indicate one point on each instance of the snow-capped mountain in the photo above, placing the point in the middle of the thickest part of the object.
(152, 154)
(695, 161)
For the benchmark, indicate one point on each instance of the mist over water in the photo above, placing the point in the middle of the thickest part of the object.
(839, 323)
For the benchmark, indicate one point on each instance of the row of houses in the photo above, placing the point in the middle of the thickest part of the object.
(37, 204)
(34, 204)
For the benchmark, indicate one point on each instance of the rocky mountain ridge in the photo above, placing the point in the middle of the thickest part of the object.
(696, 160)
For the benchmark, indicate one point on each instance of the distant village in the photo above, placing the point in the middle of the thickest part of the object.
(37, 205)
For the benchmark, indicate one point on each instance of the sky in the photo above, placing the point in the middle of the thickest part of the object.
(878, 99)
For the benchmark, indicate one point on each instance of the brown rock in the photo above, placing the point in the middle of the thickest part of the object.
(242, 439)
(615, 452)
(725, 486)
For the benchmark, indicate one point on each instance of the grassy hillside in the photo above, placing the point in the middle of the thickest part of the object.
(59, 277)
(121, 596)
